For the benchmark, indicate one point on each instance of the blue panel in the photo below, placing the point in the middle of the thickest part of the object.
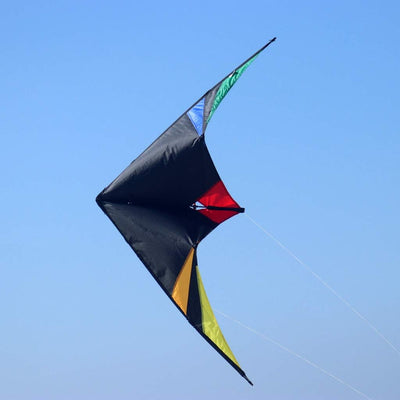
(196, 116)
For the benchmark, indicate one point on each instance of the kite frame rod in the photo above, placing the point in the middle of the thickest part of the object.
(239, 66)
(236, 209)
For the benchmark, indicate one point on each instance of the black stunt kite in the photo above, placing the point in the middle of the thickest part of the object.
(169, 199)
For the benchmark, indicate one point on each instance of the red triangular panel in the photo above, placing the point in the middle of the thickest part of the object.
(218, 196)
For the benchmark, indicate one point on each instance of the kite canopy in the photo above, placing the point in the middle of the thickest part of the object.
(170, 198)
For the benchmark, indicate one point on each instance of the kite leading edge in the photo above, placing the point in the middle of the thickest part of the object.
(169, 199)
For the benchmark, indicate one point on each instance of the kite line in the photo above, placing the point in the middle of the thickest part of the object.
(293, 353)
(330, 288)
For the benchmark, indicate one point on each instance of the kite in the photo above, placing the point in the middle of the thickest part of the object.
(169, 199)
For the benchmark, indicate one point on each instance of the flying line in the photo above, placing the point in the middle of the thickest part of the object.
(293, 353)
(324, 283)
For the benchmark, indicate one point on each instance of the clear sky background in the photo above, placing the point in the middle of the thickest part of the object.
(307, 140)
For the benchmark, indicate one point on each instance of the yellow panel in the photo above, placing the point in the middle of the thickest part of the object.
(180, 292)
(210, 324)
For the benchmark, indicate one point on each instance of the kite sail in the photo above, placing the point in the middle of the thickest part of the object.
(169, 199)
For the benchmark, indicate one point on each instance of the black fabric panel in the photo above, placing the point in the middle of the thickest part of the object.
(194, 305)
(161, 238)
(174, 171)
(209, 101)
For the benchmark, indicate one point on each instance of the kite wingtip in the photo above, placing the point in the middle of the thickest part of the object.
(266, 45)
(248, 380)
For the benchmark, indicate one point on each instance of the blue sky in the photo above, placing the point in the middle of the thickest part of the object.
(307, 141)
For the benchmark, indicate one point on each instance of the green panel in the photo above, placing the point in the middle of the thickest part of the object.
(227, 84)
(209, 323)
